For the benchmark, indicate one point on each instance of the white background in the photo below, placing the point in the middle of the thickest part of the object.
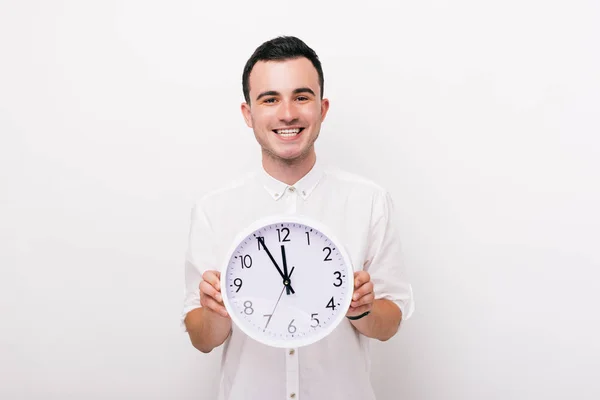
(480, 117)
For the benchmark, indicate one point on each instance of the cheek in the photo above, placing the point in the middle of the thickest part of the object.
(312, 114)
(264, 118)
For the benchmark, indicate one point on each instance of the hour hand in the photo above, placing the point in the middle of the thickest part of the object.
(262, 241)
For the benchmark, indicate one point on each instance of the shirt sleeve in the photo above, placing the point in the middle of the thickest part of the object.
(384, 260)
(200, 256)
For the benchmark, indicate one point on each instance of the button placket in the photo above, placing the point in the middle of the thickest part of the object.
(292, 384)
(292, 199)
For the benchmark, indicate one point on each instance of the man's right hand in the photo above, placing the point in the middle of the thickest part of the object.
(210, 293)
(209, 325)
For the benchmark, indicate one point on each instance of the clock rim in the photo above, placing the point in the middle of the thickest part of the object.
(285, 219)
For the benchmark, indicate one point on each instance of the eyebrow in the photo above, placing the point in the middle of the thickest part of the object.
(296, 91)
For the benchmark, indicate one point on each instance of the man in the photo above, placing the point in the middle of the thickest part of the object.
(284, 105)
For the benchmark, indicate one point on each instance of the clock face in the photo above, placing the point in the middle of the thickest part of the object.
(287, 282)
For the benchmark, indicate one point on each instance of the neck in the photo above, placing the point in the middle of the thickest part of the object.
(288, 172)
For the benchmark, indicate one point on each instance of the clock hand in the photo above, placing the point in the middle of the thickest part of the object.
(274, 308)
(286, 279)
(262, 241)
(285, 271)
(289, 288)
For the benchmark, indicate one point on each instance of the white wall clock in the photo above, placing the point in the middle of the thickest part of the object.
(287, 281)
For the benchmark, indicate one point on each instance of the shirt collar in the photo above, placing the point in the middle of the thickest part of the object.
(304, 186)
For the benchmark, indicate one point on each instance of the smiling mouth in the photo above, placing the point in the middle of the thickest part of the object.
(288, 132)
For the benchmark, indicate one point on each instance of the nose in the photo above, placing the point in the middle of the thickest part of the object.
(287, 112)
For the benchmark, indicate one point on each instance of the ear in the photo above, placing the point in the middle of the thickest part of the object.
(324, 108)
(246, 114)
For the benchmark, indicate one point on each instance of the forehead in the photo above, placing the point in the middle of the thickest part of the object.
(283, 76)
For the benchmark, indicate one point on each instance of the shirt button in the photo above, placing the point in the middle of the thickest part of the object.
(292, 395)
(292, 189)
(292, 352)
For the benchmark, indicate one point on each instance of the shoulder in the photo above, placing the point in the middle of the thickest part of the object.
(367, 193)
(224, 193)
(354, 181)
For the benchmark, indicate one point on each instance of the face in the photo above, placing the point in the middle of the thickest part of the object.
(285, 110)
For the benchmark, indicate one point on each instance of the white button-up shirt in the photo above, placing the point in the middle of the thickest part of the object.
(361, 215)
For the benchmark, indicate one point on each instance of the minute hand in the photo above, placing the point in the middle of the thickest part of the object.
(288, 286)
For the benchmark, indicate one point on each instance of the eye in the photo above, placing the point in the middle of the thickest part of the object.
(270, 100)
(302, 98)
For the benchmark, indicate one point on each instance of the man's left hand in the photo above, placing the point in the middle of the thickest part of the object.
(363, 297)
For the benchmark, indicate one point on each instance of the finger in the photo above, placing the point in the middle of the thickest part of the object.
(216, 307)
(206, 289)
(360, 278)
(213, 277)
(366, 299)
(363, 290)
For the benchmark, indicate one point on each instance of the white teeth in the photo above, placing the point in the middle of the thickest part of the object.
(288, 132)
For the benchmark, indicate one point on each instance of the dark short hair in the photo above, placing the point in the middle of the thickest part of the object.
(279, 49)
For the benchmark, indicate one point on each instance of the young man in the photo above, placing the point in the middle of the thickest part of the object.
(283, 88)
